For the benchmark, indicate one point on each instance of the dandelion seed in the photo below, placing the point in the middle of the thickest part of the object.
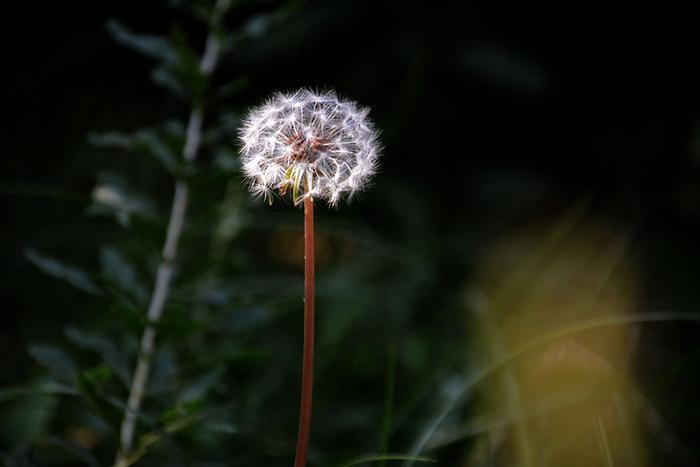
(309, 144)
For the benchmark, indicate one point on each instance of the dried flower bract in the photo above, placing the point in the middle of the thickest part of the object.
(310, 144)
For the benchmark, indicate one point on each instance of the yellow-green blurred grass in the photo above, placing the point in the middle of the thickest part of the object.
(570, 402)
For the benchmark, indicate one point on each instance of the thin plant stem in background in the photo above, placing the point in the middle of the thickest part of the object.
(315, 146)
(389, 389)
(165, 270)
(307, 380)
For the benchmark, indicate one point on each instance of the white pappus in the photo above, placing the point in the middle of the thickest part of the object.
(313, 144)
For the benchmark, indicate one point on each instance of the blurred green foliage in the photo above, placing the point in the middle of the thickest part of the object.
(421, 301)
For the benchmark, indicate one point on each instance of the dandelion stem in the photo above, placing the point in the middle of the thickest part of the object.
(307, 379)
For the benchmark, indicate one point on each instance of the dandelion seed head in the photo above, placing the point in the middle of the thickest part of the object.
(310, 144)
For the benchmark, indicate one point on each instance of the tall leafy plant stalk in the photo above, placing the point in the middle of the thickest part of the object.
(318, 147)
(164, 274)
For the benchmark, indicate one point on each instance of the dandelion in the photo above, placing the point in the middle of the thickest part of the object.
(311, 144)
(315, 146)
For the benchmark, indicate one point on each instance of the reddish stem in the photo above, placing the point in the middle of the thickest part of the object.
(307, 379)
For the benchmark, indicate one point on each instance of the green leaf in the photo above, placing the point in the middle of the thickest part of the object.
(188, 64)
(149, 142)
(113, 196)
(174, 129)
(58, 362)
(117, 269)
(26, 419)
(148, 440)
(145, 141)
(257, 26)
(168, 79)
(149, 45)
(71, 274)
(188, 410)
(47, 387)
(105, 410)
(223, 427)
(199, 388)
(165, 372)
(111, 139)
(113, 357)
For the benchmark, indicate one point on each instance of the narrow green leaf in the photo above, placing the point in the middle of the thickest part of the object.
(144, 141)
(257, 26)
(120, 272)
(150, 142)
(199, 388)
(58, 362)
(112, 356)
(188, 64)
(71, 274)
(149, 45)
(226, 428)
(169, 80)
(114, 197)
(106, 411)
(48, 387)
(151, 438)
(113, 139)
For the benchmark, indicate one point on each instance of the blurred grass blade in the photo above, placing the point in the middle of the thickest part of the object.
(389, 457)
(467, 386)
(497, 348)
(452, 391)
(389, 389)
(603, 444)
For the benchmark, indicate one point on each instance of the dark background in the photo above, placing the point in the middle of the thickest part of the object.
(494, 117)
